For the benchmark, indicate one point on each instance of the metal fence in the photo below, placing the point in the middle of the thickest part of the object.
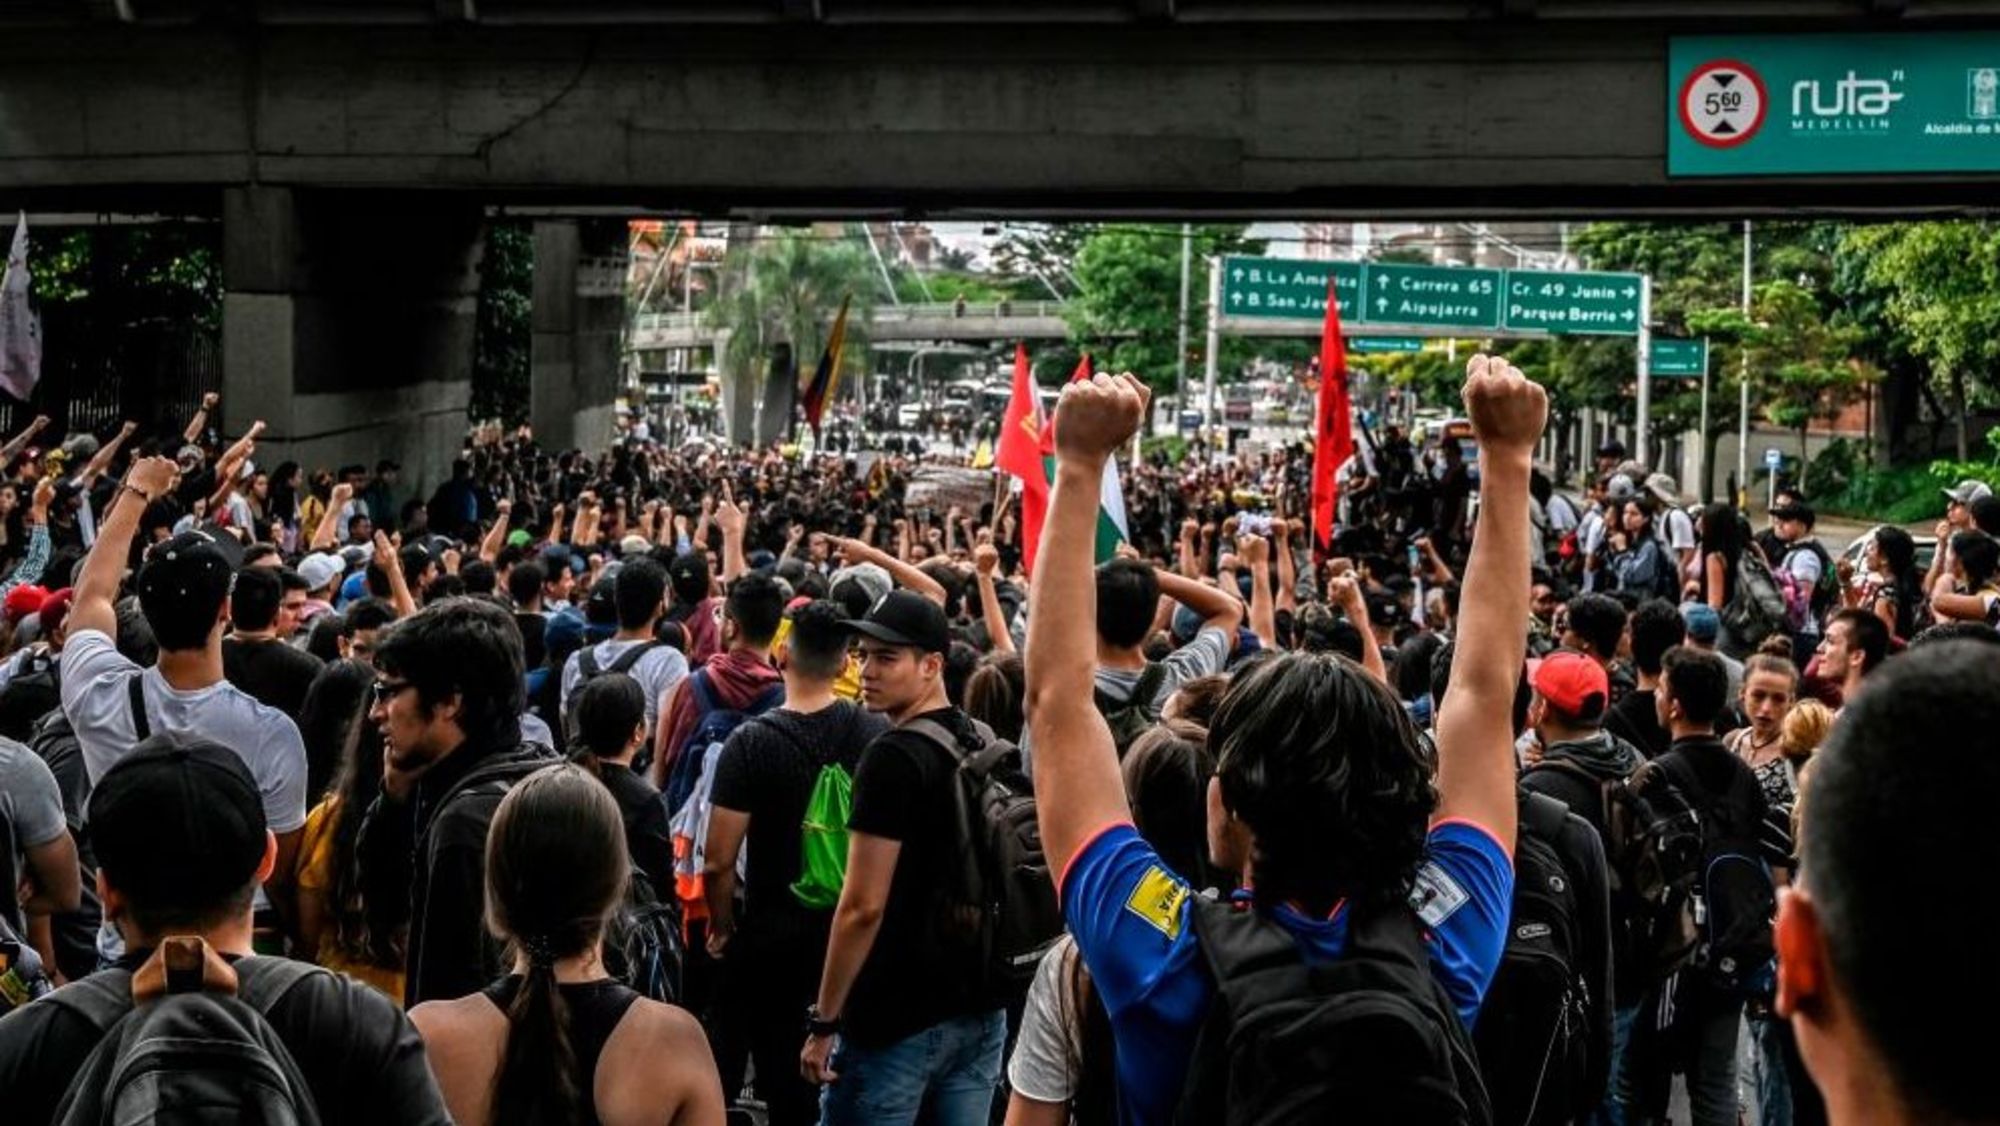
(152, 373)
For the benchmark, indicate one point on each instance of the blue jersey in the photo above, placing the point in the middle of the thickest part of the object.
(1129, 914)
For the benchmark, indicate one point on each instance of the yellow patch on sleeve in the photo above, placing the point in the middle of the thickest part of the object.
(1157, 898)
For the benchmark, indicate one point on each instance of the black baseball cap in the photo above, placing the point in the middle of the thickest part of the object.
(192, 565)
(901, 617)
(1797, 510)
(178, 822)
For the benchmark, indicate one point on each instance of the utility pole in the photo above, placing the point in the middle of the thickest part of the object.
(1644, 427)
(1214, 340)
(1180, 357)
(1743, 379)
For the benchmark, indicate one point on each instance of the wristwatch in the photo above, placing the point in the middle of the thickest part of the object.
(817, 1025)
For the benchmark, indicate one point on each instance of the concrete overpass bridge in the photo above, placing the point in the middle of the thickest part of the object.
(1010, 320)
(354, 148)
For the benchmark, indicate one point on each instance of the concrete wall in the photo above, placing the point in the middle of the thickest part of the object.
(347, 325)
(1480, 117)
(579, 320)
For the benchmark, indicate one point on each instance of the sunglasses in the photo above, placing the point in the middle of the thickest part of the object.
(386, 690)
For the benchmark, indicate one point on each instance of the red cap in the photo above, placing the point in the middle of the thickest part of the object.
(1572, 683)
(22, 601)
(55, 611)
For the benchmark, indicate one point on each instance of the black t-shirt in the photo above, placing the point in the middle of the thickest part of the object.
(649, 833)
(768, 769)
(362, 1059)
(902, 792)
(271, 672)
(1635, 720)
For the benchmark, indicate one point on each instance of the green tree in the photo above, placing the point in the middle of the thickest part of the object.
(1126, 308)
(785, 287)
(131, 321)
(503, 339)
(1939, 285)
(1038, 260)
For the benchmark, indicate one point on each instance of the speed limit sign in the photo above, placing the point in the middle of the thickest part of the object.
(1722, 103)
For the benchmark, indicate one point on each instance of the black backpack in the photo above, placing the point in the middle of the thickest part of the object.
(998, 906)
(1136, 714)
(1735, 898)
(1652, 848)
(192, 1054)
(1368, 1037)
(35, 690)
(1538, 1036)
(643, 946)
(588, 670)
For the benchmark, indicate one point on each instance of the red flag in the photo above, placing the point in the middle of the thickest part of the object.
(1035, 485)
(1025, 444)
(1333, 430)
(1020, 447)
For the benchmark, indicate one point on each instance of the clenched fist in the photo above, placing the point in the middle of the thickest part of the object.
(1094, 419)
(1507, 409)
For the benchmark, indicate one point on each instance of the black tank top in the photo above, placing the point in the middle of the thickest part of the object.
(595, 1008)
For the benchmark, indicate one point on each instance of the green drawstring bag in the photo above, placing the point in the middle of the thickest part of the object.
(823, 839)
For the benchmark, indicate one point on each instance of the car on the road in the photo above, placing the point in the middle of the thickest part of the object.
(1856, 552)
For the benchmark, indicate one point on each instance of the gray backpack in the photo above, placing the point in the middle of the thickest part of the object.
(196, 1053)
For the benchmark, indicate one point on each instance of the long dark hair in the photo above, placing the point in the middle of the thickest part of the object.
(1899, 555)
(363, 930)
(332, 708)
(283, 502)
(556, 866)
(1722, 533)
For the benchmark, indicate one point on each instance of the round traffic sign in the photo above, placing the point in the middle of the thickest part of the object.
(1722, 103)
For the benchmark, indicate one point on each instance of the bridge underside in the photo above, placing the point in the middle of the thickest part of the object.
(343, 143)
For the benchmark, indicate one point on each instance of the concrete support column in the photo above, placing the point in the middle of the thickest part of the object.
(579, 326)
(348, 321)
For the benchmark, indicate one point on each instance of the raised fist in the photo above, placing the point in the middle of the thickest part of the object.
(1507, 410)
(1095, 418)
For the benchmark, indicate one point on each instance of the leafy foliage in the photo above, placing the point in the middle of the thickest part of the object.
(785, 287)
(503, 339)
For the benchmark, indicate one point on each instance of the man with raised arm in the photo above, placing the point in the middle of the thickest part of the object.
(1324, 799)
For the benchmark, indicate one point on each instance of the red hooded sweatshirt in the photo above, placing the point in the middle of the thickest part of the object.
(736, 677)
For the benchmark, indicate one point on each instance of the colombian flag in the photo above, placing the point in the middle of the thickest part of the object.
(826, 377)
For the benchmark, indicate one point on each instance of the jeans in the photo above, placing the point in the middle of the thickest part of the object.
(1612, 1113)
(944, 1075)
(1699, 1040)
(1767, 1069)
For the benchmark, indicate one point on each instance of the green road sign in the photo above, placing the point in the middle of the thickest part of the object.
(1800, 104)
(1467, 298)
(1678, 358)
(1287, 287)
(1385, 343)
(1606, 304)
(1431, 295)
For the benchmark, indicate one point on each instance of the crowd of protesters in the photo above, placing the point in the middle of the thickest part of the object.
(692, 783)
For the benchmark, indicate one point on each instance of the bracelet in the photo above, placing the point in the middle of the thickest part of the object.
(820, 1026)
(136, 491)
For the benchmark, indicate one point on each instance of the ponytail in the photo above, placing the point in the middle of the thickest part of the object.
(537, 1084)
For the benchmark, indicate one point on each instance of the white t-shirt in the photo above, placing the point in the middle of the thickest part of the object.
(98, 704)
(1043, 1067)
(657, 672)
(348, 512)
(1802, 563)
(1676, 532)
